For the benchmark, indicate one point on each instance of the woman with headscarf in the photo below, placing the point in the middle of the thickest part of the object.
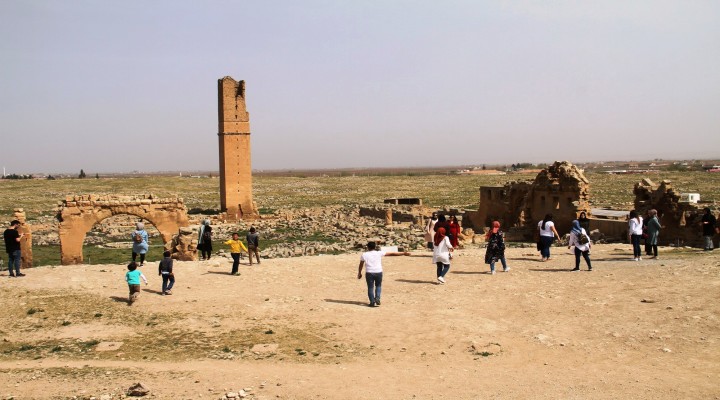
(653, 231)
(548, 233)
(140, 243)
(584, 221)
(454, 231)
(205, 239)
(441, 254)
(581, 241)
(635, 234)
(495, 248)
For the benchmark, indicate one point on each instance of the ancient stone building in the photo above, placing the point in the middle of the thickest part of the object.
(234, 143)
(78, 214)
(560, 189)
(681, 221)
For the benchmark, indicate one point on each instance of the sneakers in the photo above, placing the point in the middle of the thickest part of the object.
(168, 293)
(441, 279)
(589, 269)
(377, 302)
(575, 269)
(635, 259)
(371, 305)
(20, 274)
(235, 274)
(492, 272)
(639, 259)
(506, 269)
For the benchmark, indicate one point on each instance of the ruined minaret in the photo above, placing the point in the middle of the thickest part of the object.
(234, 142)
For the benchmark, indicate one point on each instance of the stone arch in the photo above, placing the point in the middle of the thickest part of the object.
(78, 214)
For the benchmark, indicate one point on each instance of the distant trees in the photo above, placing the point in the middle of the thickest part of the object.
(16, 176)
(82, 174)
(97, 176)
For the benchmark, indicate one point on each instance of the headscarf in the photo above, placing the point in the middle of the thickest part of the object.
(439, 236)
(495, 229)
(576, 229)
(202, 229)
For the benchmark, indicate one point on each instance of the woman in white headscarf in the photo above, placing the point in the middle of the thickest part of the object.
(205, 240)
(140, 243)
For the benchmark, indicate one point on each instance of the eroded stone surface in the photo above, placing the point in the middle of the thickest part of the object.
(77, 215)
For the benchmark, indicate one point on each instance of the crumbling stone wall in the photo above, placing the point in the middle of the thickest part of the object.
(560, 189)
(234, 144)
(183, 246)
(681, 221)
(77, 215)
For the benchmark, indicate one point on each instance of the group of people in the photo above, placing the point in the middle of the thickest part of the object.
(165, 267)
(441, 235)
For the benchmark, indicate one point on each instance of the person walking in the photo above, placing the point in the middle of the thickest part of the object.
(496, 248)
(236, 246)
(709, 224)
(581, 241)
(635, 234)
(454, 231)
(430, 230)
(548, 233)
(140, 243)
(371, 260)
(652, 232)
(253, 241)
(584, 221)
(12, 247)
(165, 270)
(441, 254)
(132, 277)
(205, 239)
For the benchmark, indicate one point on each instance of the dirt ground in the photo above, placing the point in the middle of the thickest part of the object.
(300, 328)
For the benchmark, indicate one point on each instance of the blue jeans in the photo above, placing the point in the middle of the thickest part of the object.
(374, 284)
(14, 259)
(167, 278)
(635, 240)
(586, 256)
(442, 269)
(545, 243)
(502, 261)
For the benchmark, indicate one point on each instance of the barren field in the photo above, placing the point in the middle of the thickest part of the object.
(299, 328)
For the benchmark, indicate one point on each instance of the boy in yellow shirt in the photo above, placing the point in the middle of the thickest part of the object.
(235, 247)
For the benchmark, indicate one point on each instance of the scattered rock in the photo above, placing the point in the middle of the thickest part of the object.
(138, 390)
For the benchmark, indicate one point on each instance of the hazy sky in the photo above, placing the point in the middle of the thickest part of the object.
(132, 85)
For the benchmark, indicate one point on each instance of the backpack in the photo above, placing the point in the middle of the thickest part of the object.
(583, 239)
(138, 237)
(207, 236)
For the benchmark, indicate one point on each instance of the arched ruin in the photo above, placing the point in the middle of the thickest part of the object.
(78, 214)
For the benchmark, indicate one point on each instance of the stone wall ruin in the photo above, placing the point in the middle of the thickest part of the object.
(560, 189)
(681, 221)
(77, 215)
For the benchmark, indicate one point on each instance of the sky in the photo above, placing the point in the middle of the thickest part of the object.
(117, 86)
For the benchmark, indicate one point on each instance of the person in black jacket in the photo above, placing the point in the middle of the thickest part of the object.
(709, 224)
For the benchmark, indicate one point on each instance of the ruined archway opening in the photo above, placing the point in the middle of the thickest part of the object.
(110, 240)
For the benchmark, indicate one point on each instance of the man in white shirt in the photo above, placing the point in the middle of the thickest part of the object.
(371, 259)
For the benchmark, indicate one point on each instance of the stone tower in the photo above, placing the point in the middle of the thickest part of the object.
(234, 143)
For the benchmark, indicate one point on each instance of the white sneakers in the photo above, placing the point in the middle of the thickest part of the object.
(441, 279)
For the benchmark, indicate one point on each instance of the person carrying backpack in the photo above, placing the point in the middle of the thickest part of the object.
(580, 239)
(140, 243)
(205, 240)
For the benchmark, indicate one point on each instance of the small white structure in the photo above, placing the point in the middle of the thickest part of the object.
(689, 197)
